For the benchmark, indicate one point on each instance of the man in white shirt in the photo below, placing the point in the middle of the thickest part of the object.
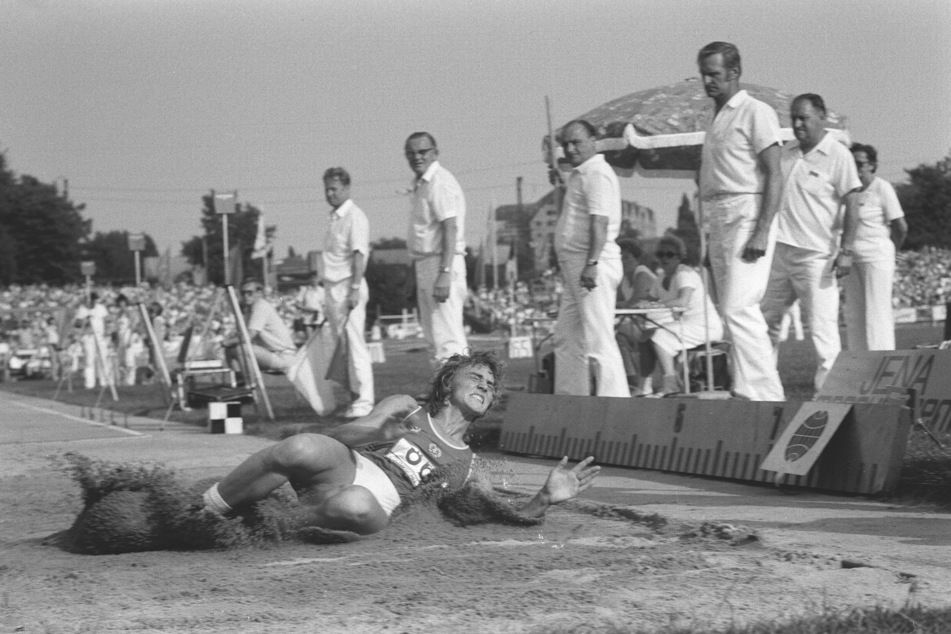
(91, 317)
(740, 188)
(437, 245)
(590, 262)
(271, 340)
(818, 174)
(311, 302)
(346, 248)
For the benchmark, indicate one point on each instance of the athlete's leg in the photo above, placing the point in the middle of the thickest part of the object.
(314, 464)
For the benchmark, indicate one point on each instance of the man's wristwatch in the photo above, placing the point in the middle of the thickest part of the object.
(354, 287)
(445, 269)
(592, 262)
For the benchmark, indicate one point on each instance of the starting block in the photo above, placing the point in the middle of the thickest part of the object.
(225, 418)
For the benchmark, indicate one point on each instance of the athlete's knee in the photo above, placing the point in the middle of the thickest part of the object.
(295, 453)
(354, 508)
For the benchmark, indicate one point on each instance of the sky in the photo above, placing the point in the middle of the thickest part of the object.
(144, 106)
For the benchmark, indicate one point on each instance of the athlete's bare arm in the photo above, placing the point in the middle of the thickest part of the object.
(385, 423)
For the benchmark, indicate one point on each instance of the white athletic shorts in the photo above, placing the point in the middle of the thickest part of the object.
(374, 479)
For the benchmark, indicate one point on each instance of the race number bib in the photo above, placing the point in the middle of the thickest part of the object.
(410, 460)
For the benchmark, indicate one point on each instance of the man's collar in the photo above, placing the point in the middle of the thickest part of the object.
(737, 99)
(823, 146)
(590, 163)
(428, 174)
(343, 209)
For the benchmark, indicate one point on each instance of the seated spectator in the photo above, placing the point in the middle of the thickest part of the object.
(636, 286)
(681, 288)
(271, 340)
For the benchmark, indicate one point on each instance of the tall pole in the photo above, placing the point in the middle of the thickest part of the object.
(138, 269)
(224, 241)
(204, 256)
(494, 241)
(552, 162)
(264, 271)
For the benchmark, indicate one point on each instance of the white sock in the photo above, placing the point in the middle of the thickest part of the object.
(214, 501)
(647, 385)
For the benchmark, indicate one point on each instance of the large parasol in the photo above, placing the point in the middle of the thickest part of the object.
(659, 132)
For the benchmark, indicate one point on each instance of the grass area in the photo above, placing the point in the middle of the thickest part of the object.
(925, 478)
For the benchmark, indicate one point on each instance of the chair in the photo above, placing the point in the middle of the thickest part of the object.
(697, 366)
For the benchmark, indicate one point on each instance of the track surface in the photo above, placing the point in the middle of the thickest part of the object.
(585, 566)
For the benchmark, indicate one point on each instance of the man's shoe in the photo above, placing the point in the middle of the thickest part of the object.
(357, 412)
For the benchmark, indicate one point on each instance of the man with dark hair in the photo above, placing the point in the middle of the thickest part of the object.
(346, 248)
(740, 188)
(354, 477)
(818, 175)
(875, 229)
(437, 245)
(590, 262)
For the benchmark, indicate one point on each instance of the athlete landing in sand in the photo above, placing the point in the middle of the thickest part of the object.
(354, 476)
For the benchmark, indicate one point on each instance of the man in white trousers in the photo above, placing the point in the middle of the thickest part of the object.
(740, 188)
(346, 248)
(818, 176)
(91, 317)
(437, 245)
(590, 262)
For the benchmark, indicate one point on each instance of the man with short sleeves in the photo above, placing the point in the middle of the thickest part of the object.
(818, 174)
(740, 188)
(271, 340)
(344, 257)
(590, 262)
(91, 317)
(437, 245)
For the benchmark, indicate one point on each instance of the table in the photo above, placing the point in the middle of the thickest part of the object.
(651, 315)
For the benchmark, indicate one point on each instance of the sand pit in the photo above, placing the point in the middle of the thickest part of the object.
(591, 564)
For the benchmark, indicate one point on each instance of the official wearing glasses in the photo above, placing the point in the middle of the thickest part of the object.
(272, 342)
(437, 245)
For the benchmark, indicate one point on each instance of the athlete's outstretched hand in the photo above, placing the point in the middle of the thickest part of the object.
(564, 483)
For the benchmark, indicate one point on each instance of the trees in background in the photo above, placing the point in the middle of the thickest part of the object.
(40, 231)
(926, 199)
(115, 263)
(242, 230)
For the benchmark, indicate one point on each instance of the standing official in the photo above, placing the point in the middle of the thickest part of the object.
(437, 244)
(345, 254)
(740, 188)
(590, 262)
(875, 230)
(818, 174)
(91, 317)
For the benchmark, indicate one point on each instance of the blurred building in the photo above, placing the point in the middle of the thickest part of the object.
(636, 220)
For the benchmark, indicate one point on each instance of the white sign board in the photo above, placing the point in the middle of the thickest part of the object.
(804, 438)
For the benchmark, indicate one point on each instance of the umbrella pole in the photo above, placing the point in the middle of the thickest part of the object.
(706, 305)
(552, 162)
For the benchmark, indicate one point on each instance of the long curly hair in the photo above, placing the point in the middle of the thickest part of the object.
(441, 386)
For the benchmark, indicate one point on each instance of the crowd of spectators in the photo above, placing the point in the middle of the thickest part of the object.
(922, 278)
(39, 319)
